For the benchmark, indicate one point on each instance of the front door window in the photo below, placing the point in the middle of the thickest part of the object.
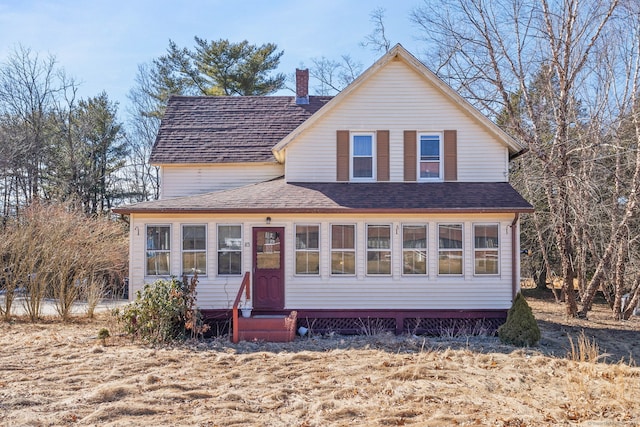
(268, 250)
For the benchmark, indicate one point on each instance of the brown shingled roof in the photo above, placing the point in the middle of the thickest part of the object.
(399, 197)
(226, 129)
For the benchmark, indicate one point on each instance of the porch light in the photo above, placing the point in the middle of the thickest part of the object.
(268, 220)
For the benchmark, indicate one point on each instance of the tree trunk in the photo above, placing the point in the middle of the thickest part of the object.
(620, 270)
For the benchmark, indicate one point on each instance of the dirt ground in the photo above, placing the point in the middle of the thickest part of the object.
(60, 374)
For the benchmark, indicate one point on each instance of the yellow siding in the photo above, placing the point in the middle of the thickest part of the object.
(186, 180)
(333, 292)
(396, 99)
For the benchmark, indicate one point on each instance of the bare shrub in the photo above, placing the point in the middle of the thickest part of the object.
(52, 249)
(94, 248)
(93, 291)
(7, 287)
(192, 316)
(20, 247)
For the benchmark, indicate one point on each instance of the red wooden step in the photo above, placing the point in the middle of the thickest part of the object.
(267, 328)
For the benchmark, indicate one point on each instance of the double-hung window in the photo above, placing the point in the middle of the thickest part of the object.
(158, 250)
(307, 249)
(194, 249)
(362, 156)
(450, 260)
(229, 249)
(343, 249)
(414, 249)
(485, 247)
(379, 249)
(430, 156)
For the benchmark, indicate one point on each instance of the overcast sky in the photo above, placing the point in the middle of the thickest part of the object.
(101, 42)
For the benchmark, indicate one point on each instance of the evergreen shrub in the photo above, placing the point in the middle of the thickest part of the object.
(157, 315)
(521, 328)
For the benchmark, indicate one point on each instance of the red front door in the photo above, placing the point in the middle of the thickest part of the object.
(268, 268)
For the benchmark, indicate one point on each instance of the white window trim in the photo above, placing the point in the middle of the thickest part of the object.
(206, 247)
(426, 249)
(441, 161)
(498, 250)
(355, 253)
(296, 250)
(373, 157)
(217, 269)
(367, 249)
(146, 250)
(462, 249)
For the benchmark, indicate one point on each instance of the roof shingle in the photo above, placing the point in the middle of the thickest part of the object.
(400, 197)
(227, 129)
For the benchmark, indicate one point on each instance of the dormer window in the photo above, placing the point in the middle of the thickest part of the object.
(430, 157)
(362, 157)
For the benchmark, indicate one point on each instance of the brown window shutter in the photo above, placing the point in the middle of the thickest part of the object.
(450, 155)
(410, 152)
(342, 155)
(382, 141)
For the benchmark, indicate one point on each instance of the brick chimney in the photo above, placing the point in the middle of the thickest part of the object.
(302, 86)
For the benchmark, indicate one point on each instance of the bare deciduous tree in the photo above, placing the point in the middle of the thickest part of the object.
(377, 40)
(53, 145)
(332, 75)
(531, 66)
(28, 87)
(143, 182)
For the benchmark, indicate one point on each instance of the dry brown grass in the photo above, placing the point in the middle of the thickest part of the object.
(585, 349)
(60, 374)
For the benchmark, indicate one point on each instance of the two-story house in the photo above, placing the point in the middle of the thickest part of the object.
(388, 203)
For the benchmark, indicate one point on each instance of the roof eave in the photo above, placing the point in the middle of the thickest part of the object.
(341, 210)
(200, 163)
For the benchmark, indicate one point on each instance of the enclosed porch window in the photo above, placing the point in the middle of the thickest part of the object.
(343, 249)
(158, 250)
(308, 249)
(486, 255)
(229, 249)
(450, 260)
(378, 249)
(414, 249)
(194, 249)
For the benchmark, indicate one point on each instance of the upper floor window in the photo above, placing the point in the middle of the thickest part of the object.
(485, 242)
(229, 249)
(362, 156)
(194, 249)
(307, 249)
(158, 250)
(430, 157)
